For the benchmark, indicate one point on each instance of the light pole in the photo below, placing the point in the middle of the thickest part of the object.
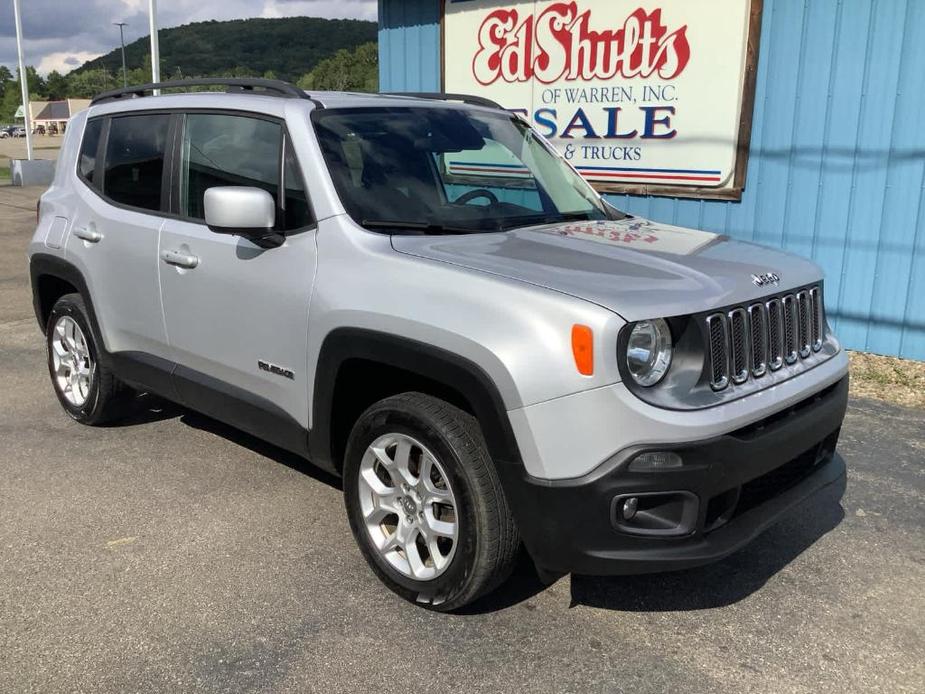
(23, 81)
(155, 50)
(121, 25)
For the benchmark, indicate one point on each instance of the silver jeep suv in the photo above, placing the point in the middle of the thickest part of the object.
(417, 293)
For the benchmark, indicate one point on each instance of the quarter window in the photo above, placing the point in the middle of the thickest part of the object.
(86, 161)
(135, 160)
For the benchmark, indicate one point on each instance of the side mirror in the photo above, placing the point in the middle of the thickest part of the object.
(244, 211)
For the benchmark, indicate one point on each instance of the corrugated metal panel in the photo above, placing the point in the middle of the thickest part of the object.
(837, 164)
(409, 45)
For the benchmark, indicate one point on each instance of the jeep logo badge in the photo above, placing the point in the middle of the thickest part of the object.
(408, 505)
(764, 279)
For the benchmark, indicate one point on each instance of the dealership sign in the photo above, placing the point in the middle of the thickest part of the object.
(645, 97)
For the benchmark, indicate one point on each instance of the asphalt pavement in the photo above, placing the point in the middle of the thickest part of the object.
(171, 553)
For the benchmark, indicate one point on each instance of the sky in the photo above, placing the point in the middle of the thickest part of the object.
(62, 34)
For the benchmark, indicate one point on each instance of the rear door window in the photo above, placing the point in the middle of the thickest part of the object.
(134, 167)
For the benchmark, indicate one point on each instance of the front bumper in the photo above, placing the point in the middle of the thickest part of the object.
(728, 490)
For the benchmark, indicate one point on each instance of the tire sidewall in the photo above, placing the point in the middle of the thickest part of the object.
(67, 306)
(397, 420)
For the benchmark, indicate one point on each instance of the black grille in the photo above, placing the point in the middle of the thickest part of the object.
(758, 320)
(805, 317)
(719, 356)
(818, 328)
(790, 329)
(749, 342)
(775, 335)
(788, 475)
(738, 500)
(738, 331)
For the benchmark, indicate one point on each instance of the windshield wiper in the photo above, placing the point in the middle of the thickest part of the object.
(532, 220)
(429, 227)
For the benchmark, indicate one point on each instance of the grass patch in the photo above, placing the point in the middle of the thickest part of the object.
(899, 381)
(4, 171)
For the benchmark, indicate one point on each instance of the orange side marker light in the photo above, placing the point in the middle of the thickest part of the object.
(583, 349)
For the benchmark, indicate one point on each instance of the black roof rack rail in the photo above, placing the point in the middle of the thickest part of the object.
(232, 85)
(442, 96)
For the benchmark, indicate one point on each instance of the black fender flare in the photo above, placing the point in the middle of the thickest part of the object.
(47, 265)
(434, 363)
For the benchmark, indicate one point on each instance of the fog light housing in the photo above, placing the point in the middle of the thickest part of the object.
(654, 461)
(668, 513)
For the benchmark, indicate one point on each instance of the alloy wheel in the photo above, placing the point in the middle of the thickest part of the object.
(409, 508)
(72, 362)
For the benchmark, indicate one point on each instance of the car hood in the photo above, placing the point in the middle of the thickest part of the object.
(634, 267)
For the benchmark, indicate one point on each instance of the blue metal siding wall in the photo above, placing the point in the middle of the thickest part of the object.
(409, 45)
(837, 163)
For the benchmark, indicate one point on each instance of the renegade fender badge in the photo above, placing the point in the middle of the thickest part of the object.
(765, 279)
(274, 369)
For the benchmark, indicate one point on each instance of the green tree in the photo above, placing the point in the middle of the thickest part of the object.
(356, 71)
(56, 86)
(239, 71)
(89, 83)
(35, 82)
(11, 99)
(6, 80)
(10, 102)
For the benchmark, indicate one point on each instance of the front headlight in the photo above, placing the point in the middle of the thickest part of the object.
(648, 352)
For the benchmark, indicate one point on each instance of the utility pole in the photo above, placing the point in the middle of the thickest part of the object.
(23, 81)
(121, 25)
(155, 49)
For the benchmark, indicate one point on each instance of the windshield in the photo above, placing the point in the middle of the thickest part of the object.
(446, 170)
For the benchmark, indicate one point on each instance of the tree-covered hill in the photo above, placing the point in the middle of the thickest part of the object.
(288, 48)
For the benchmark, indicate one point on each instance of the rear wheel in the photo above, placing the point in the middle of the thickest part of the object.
(86, 387)
(425, 503)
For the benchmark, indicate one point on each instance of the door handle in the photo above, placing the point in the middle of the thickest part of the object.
(179, 259)
(88, 235)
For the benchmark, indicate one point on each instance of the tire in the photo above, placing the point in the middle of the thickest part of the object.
(95, 396)
(448, 442)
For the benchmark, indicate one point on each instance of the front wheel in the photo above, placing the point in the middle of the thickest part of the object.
(425, 503)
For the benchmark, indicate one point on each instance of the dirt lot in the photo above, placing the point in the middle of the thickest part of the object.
(171, 553)
(43, 147)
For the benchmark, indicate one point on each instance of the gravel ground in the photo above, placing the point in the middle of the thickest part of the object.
(171, 553)
(898, 381)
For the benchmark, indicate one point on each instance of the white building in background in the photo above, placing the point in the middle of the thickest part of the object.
(52, 116)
